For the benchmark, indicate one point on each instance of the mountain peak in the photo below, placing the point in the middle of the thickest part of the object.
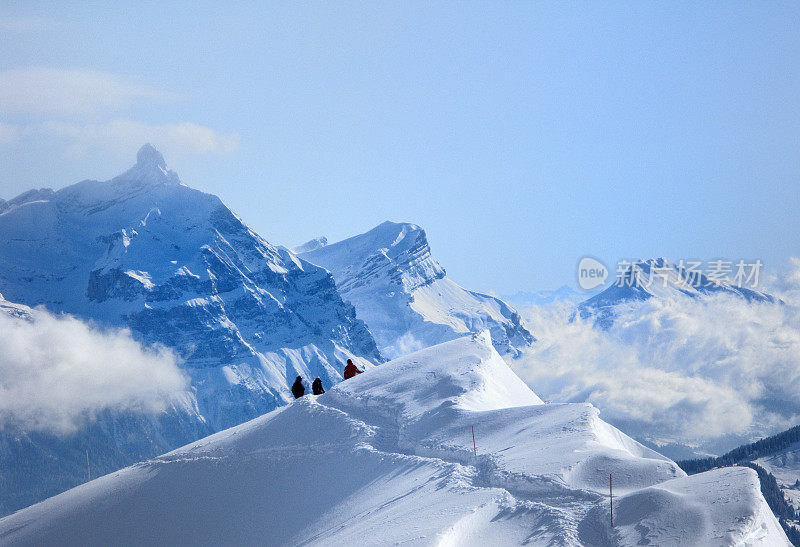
(149, 156)
(150, 168)
(311, 245)
(660, 278)
(404, 295)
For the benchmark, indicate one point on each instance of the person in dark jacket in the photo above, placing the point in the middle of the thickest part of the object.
(316, 387)
(298, 389)
(351, 370)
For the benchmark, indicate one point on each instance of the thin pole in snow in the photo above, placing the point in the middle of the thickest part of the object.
(611, 498)
(88, 469)
(474, 448)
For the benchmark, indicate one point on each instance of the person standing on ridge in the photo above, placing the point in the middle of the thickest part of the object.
(298, 389)
(351, 370)
(316, 387)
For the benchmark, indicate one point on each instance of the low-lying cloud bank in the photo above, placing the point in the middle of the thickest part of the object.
(708, 372)
(58, 372)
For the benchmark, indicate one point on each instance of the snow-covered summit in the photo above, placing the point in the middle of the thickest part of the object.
(148, 155)
(388, 458)
(405, 296)
(143, 250)
(311, 245)
(659, 278)
(150, 167)
(148, 180)
(397, 251)
(178, 268)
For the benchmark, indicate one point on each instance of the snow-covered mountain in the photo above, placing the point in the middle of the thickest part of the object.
(387, 458)
(311, 245)
(12, 309)
(659, 278)
(178, 268)
(38, 463)
(404, 295)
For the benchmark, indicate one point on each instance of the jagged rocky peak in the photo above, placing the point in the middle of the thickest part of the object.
(148, 155)
(397, 251)
(150, 167)
(177, 268)
(399, 238)
(405, 297)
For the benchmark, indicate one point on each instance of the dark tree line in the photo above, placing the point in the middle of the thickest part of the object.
(744, 453)
(777, 502)
(773, 493)
(791, 532)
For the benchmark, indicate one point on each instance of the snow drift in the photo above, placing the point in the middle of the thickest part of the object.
(387, 458)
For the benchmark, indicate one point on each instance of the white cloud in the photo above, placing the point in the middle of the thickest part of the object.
(62, 91)
(57, 372)
(121, 136)
(709, 372)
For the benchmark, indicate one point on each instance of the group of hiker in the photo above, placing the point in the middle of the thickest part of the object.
(298, 389)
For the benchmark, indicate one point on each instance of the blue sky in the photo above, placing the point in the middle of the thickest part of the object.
(521, 135)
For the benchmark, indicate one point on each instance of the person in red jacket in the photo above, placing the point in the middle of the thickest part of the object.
(350, 370)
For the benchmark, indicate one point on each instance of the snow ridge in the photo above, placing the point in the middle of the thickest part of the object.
(387, 457)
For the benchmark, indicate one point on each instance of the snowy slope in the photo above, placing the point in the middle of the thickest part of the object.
(785, 465)
(404, 295)
(312, 245)
(658, 278)
(387, 458)
(12, 309)
(177, 267)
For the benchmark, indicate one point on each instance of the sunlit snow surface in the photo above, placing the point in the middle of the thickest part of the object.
(387, 458)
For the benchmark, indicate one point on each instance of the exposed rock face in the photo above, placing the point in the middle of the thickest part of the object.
(405, 296)
(178, 268)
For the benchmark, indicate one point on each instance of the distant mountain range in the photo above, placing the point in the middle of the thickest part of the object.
(658, 278)
(565, 293)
